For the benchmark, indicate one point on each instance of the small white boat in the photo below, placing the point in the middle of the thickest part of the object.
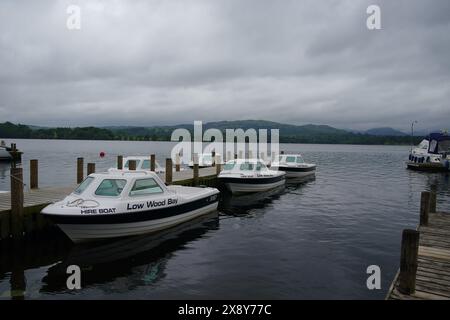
(4, 152)
(142, 164)
(432, 154)
(204, 160)
(124, 203)
(294, 166)
(249, 175)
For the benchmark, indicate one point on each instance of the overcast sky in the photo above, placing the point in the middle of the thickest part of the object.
(176, 61)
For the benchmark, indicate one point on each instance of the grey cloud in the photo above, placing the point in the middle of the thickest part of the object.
(167, 62)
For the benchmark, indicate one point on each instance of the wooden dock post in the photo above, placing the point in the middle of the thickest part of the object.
(195, 167)
(408, 261)
(34, 181)
(80, 165)
(16, 201)
(235, 156)
(132, 165)
(152, 162)
(90, 168)
(213, 158)
(120, 162)
(424, 208)
(433, 201)
(169, 170)
(218, 165)
(177, 162)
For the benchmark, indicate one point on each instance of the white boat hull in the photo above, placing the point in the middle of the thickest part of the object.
(88, 232)
(249, 187)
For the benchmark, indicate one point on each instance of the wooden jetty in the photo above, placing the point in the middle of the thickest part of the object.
(20, 210)
(425, 257)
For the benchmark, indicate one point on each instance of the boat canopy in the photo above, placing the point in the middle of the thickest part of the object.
(439, 143)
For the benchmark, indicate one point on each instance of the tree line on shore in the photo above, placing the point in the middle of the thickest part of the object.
(307, 134)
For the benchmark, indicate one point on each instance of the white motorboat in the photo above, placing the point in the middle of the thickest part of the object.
(124, 203)
(294, 166)
(432, 154)
(4, 152)
(249, 175)
(204, 160)
(142, 164)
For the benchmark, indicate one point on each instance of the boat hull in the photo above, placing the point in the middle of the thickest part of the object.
(427, 167)
(297, 172)
(242, 185)
(89, 232)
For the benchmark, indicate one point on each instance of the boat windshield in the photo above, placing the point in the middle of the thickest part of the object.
(290, 159)
(145, 187)
(145, 164)
(83, 185)
(300, 159)
(111, 187)
(229, 166)
(246, 166)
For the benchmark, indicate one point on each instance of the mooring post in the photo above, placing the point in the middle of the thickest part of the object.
(408, 261)
(120, 162)
(213, 158)
(218, 165)
(16, 181)
(80, 165)
(177, 162)
(195, 160)
(424, 208)
(90, 168)
(132, 165)
(235, 156)
(282, 152)
(152, 162)
(169, 170)
(433, 201)
(34, 181)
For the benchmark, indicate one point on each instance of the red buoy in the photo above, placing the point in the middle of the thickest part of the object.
(102, 154)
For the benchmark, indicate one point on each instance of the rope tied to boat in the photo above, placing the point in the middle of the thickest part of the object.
(82, 203)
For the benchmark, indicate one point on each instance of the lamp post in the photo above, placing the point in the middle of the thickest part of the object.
(412, 133)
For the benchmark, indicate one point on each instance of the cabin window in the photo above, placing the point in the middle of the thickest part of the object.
(146, 165)
(260, 166)
(246, 166)
(229, 166)
(300, 160)
(290, 159)
(145, 187)
(111, 187)
(83, 185)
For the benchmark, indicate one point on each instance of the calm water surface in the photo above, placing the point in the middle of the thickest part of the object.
(313, 239)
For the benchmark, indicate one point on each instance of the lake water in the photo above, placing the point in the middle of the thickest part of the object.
(311, 240)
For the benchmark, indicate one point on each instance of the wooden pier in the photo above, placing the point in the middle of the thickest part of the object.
(20, 210)
(425, 257)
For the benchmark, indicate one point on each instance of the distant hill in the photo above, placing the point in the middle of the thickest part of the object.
(385, 131)
(309, 133)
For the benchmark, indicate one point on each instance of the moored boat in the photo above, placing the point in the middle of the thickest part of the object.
(249, 175)
(124, 203)
(432, 154)
(294, 166)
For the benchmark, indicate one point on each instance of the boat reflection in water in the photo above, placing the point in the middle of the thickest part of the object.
(127, 262)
